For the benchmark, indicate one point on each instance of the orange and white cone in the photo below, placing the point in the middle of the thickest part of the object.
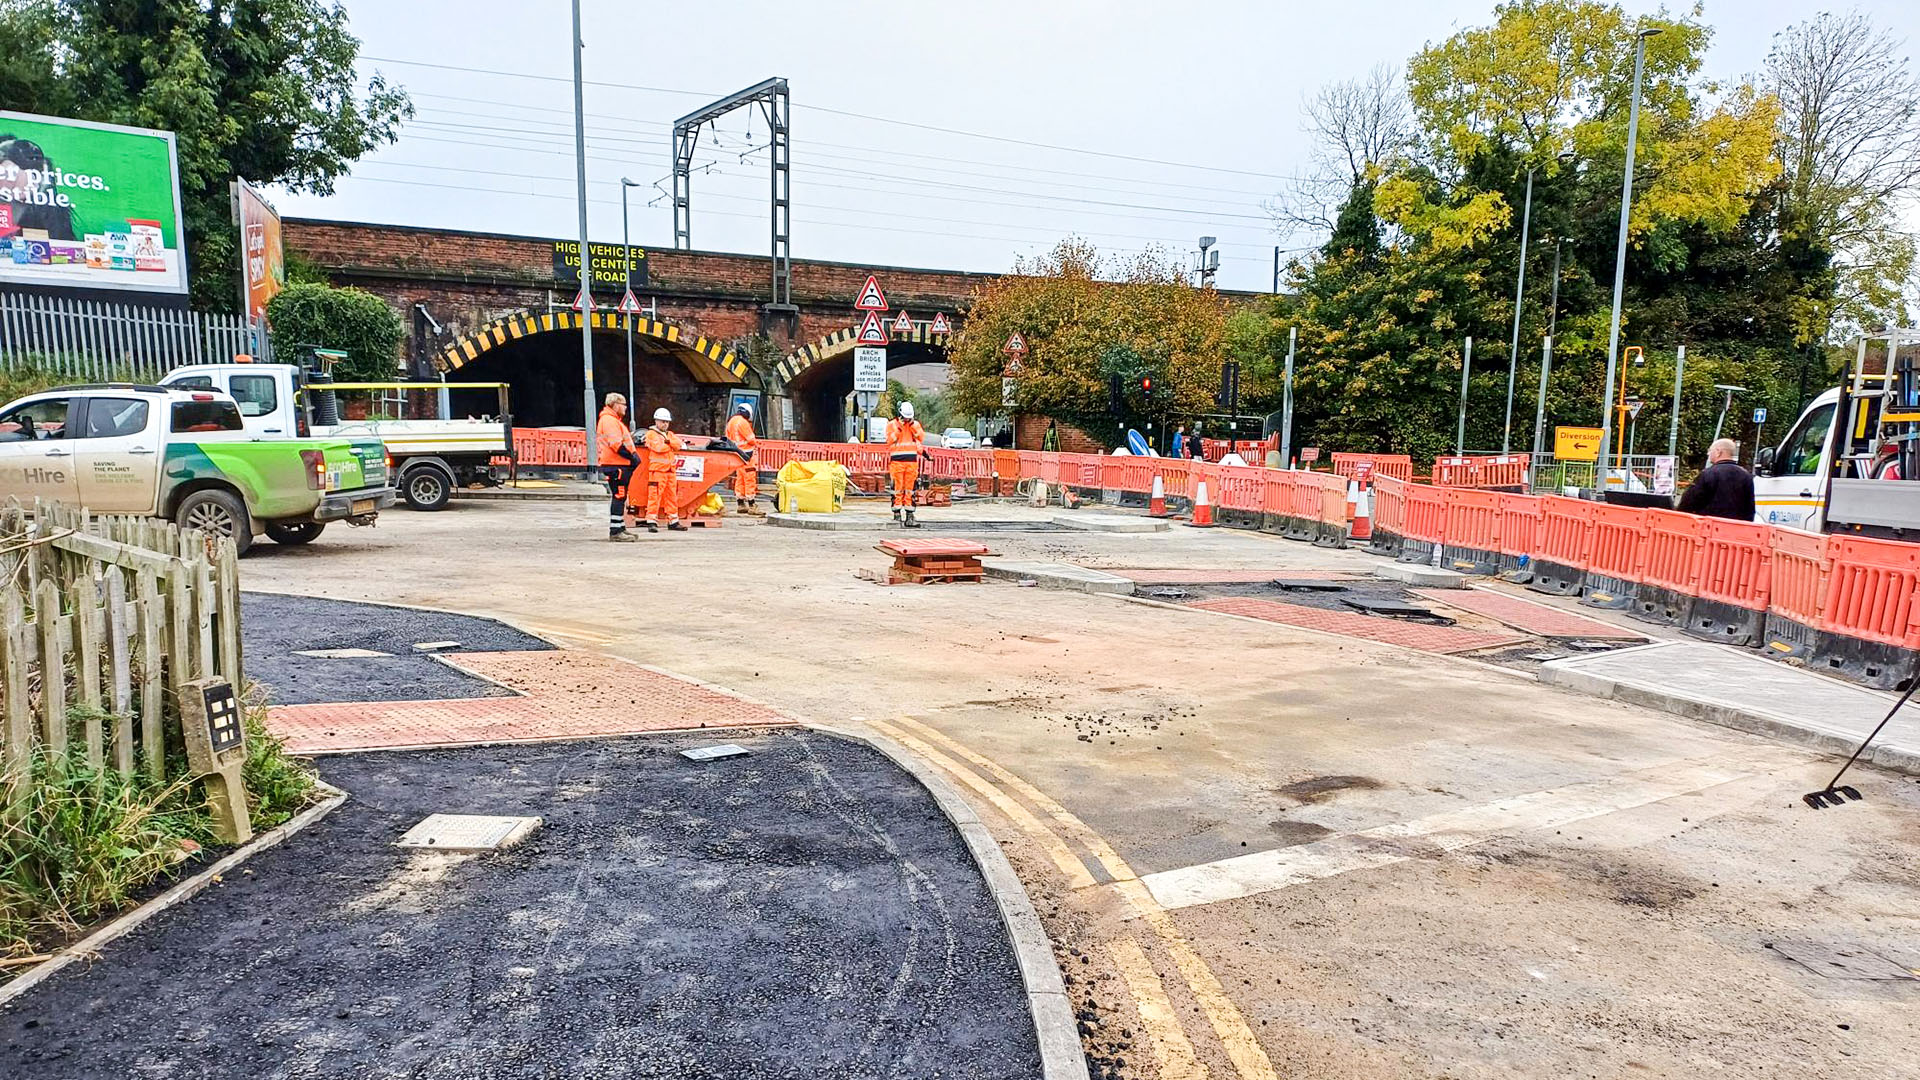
(1360, 510)
(1157, 503)
(1202, 507)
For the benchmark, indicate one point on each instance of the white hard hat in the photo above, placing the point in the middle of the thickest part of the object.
(743, 409)
(906, 410)
(662, 414)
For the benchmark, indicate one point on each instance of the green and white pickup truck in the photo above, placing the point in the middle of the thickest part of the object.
(185, 455)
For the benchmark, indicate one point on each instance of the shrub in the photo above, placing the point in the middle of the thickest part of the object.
(352, 320)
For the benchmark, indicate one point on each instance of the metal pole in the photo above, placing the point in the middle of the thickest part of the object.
(1673, 422)
(626, 258)
(1276, 268)
(1721, 422)
(1286, 403)
(1466, 368)
(1620, 255)
(1553, 305)
(580, 171)
(1540, 407)
(1519, 295)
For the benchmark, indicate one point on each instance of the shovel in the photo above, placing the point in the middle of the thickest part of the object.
(1834, 794)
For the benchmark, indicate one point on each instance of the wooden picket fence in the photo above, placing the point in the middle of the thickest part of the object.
(114, 614)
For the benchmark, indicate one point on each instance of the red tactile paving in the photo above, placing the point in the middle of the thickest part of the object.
(1537, 619)
(567, 695)
(1412, 635)
(1225, 577)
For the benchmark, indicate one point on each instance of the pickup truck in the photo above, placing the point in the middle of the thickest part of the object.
(431, 456)
(186, 456)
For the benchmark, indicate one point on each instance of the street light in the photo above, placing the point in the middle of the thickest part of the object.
(1208, 266)
(626, 259)
(1519, 296)
(1565, 157)
(1620, 252)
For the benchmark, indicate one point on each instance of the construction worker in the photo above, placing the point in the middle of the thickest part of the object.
(617, 460)
(906, 445)
(662, 448)
(746, 482)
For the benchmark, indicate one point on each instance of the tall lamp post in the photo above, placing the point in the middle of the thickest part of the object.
(626, 259)
(1620, 254)
(580, 167)
(1519, 295)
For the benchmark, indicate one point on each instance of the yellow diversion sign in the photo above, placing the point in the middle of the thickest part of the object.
(1576, 443)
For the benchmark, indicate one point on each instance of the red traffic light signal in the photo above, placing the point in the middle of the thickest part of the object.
(1146, 383)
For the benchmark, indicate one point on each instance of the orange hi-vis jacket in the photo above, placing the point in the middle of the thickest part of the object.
(614, 437)
(662, 447)
(904, 438)
(740, 432)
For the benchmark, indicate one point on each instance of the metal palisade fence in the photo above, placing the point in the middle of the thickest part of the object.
(99, 340)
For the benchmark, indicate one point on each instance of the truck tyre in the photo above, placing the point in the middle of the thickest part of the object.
(215, 511)
(426, 488)
(293, 533)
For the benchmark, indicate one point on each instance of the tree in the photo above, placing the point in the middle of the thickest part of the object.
(260, 89)
(1358, 128)
(1849, 141)
(352, 320)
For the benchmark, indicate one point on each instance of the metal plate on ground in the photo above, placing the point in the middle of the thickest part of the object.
(340, 654)
(1307, 585)
(468, 832)
(1395, 609)
(1842, 961)
(1168, 593)
(713, 753)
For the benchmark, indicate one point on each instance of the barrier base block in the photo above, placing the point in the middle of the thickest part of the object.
(1330, 536)
(1303, 529)
(1724, 623)
(1470, 560)
(1384, 543)
(1239, 519)
(1273, 523)
(1415, 551)
(1653, 604)
(1872, 664)
(1555, 579)
(1515, 569)
(1789, 639)
(1607, 593)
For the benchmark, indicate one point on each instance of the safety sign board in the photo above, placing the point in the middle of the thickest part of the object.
(584, 302)
(871, 298)
(1759, 416)
(1576, 443)
(869, 369)
(1016, 345)
(940, 324)
(630, 304)
(903, 324)
(1634, 406)
(872, 332)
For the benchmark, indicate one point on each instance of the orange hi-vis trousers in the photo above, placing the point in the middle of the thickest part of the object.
(904, 473)
(661, 485)
(746, 482)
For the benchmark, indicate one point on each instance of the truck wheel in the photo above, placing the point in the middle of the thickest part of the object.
(293, 533)
(426, 488)
(218, 512)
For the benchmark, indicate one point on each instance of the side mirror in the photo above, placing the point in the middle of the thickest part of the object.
(1763, 461)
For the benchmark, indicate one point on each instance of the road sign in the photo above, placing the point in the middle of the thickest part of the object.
(940, 324)
(1006, 393)
(871, 298)
(1016, 345)
(1759, 416)
(872, 330)
(630, 304)
(1576, 443)
(869, 369)
(1309, 455)
(584, 302)
(1633, 406)
(903, 324)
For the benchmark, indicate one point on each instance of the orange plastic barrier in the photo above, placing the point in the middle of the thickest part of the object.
(1397, 466)
(1389, 506)
(1871, 590)
(1520, 524)
(1503, 470)
(1175, 477)
(771, 455)
(1472, 520)
(1426, 514)
(1455, 471)
(1050, 466)
(1566, 528)
(1801, 569)
(1240, 489)
(1674, 545)
(1618, 548)
(1735, 563)
(1080, 470)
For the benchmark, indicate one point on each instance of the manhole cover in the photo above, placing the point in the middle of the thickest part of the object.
(1396, 609)
(468, 832)
(713, 753)
(1842, 961)
(1307, 585)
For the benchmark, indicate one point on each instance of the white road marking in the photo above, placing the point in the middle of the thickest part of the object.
(1268, 871)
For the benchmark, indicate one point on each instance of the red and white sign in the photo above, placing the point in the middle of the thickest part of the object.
(903, 324)
(872, 331)
(871, 298)
(940, 324)
(1309, 454)
(1016, 345)
(584, 302)
(630, 304)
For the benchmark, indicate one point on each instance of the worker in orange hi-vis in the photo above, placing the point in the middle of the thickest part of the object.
(662, 448)
(906, 445)
(617, 460)
(746, 482)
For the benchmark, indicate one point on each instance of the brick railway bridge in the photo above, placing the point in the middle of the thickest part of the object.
(503, 315)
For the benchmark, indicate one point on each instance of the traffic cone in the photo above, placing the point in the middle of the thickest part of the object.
(1157, 503)
(1202, 507)
(1360, 510)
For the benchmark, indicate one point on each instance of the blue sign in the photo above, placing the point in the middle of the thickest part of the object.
(1136, 443)
(1759, 416)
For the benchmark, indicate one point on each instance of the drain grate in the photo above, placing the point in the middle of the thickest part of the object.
(468, 832)
(1843, 961)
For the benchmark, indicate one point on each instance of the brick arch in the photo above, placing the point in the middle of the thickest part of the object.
(841, 342)
(707, 361)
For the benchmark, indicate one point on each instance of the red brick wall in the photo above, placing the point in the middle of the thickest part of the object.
(1029, 431)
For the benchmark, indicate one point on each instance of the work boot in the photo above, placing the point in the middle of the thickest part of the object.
(652, 528)
(674, 526)
(622, 537)
(911, 523)
(896, 513)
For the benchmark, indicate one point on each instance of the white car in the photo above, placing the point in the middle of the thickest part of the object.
(957, 438)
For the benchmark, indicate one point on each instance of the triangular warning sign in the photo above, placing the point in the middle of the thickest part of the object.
(584, 302)
(940, 324)
(903, 324)
(872, 331)
(1016, 345)
(871, 298)
(630, 304)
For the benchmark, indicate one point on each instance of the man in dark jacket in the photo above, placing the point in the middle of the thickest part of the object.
(1723, 489)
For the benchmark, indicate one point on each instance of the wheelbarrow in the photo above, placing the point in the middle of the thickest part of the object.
(697, 471)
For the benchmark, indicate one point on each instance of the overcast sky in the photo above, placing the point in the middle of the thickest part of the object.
(1126, 121)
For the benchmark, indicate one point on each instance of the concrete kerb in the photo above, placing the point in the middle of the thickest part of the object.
(1061, 1057)
(91, 945)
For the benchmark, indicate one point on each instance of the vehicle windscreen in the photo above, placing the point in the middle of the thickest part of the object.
(203, 416)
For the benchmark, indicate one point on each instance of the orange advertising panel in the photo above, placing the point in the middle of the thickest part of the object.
(263, 266)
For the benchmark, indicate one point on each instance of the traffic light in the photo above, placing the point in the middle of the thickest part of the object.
(1115, 404)
(1146, 386)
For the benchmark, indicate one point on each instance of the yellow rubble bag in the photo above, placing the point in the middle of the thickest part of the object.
(811, 487)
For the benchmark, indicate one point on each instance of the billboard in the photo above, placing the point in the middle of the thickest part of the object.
(89, 206)
(608, 273)
(263, 266)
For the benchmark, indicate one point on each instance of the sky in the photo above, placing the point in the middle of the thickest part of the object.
(953, 136)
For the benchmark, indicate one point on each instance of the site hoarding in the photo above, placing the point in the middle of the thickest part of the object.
(263, 264)
(89, 206)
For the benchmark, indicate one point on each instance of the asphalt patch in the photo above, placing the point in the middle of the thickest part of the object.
(804, 911)
(276, 628)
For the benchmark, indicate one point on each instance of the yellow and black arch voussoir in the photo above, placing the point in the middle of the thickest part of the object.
(711, 362)
(841, 342)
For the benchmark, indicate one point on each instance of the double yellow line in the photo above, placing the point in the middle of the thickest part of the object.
(1169, 1040)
